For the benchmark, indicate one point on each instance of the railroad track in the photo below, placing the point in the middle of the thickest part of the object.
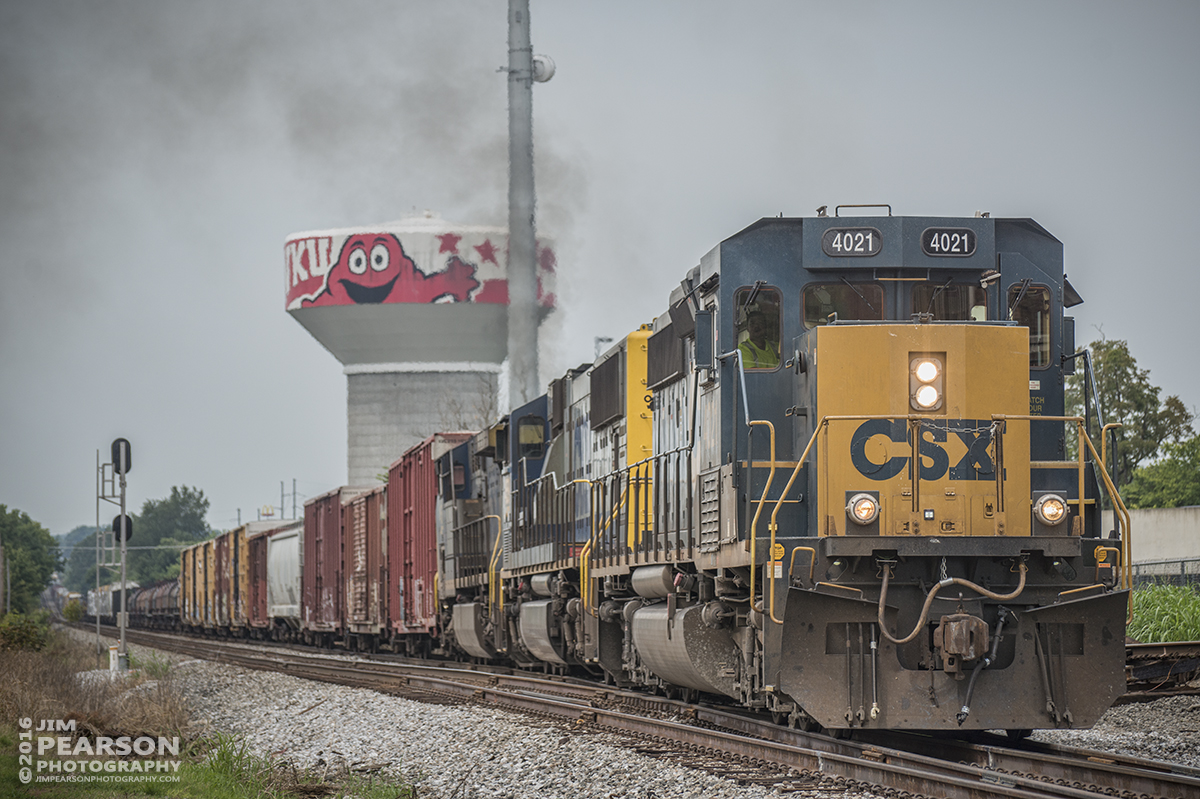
(730, 742)
(1157, 670)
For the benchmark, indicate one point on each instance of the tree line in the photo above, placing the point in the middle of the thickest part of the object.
(169, 523)
(1157, 449)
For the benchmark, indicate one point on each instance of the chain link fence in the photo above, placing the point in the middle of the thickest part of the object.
(1167, 572)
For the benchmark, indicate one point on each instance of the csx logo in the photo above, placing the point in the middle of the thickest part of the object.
(876, 458)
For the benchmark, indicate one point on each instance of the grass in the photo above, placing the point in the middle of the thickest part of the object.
(45, 684)
(1165, 613)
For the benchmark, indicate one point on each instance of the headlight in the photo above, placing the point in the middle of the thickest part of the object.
(1050, 509)
(862, 509)
(926, 397)
(925, 381)
(927, 371)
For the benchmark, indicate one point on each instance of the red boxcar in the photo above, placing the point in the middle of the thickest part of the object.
(256, 602)
(412, 536)
(364, 520)
(322, 615)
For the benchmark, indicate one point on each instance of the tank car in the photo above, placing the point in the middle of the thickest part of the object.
(830, 481)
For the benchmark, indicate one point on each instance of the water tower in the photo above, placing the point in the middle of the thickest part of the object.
(416, 312)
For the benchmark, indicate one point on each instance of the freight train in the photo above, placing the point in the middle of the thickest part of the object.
(830, 481)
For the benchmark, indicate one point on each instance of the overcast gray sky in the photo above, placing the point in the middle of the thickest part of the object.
(153, 157)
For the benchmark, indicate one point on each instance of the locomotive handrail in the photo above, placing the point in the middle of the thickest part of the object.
(779, 503)
(494, 583)
(999, 420)
(742, 378)
(812, 562)
(1100, 555)
(1104, 446)
(754, 524)
(1118, 503)
(585, 589)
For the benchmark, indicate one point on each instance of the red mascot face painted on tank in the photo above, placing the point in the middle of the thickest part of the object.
(369, 269)
(372, 268)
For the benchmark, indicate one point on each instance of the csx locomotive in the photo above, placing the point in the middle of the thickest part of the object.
(830, 482)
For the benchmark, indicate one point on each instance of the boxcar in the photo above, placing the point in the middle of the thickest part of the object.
(413, 488)
(364, 522)
(323, 597)
(237, 584)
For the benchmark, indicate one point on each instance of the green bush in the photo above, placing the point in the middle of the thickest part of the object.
(73, 611)
(20, 632)
(1165, 613)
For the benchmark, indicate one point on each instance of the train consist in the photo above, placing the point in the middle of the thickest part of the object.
(829, 481)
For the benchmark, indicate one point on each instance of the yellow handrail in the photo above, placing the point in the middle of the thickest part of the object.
(1099, 554)
(494, 584)
(779, 503)
(1126, 539)
(812, 562)
(586, 553)
(1104, 438)
(754, 524)
(1119, 504)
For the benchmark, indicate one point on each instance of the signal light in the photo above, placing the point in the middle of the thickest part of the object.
(122, 460)
(925, 383)
(117, 527)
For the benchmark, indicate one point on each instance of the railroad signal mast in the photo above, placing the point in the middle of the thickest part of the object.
(110, 487)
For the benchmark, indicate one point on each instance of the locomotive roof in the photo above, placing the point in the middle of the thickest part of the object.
(944, 221)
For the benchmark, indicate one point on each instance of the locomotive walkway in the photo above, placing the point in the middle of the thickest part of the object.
(730, 742)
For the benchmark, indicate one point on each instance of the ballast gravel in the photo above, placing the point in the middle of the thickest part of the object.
(448, 752)
(469, 752)
(1165, 729)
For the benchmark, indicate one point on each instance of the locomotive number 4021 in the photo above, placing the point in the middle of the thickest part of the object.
(851, 241)
(952, 242)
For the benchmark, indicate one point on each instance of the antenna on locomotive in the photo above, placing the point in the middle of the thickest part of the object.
(823, 210)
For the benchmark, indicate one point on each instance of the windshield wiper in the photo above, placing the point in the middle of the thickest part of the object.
(936, 292)
(860, 294)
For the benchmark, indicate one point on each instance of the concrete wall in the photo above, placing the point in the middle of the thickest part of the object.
(391, 411)
(1163, 533)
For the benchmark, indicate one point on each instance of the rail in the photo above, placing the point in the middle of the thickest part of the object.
(899, 764)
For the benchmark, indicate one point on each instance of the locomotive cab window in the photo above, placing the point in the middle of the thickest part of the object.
(758, 327)
(854, 301)
(1030, 307)
(531, 438)
(950, 302)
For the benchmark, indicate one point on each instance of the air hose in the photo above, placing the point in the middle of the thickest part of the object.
(887, 573)
(988, 660)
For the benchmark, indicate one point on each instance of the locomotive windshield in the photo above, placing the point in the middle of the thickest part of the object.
(857, 301)
(1030, 307)
(950, 302)
(758, 327)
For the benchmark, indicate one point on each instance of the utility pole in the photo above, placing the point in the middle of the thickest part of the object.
(523, 69)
